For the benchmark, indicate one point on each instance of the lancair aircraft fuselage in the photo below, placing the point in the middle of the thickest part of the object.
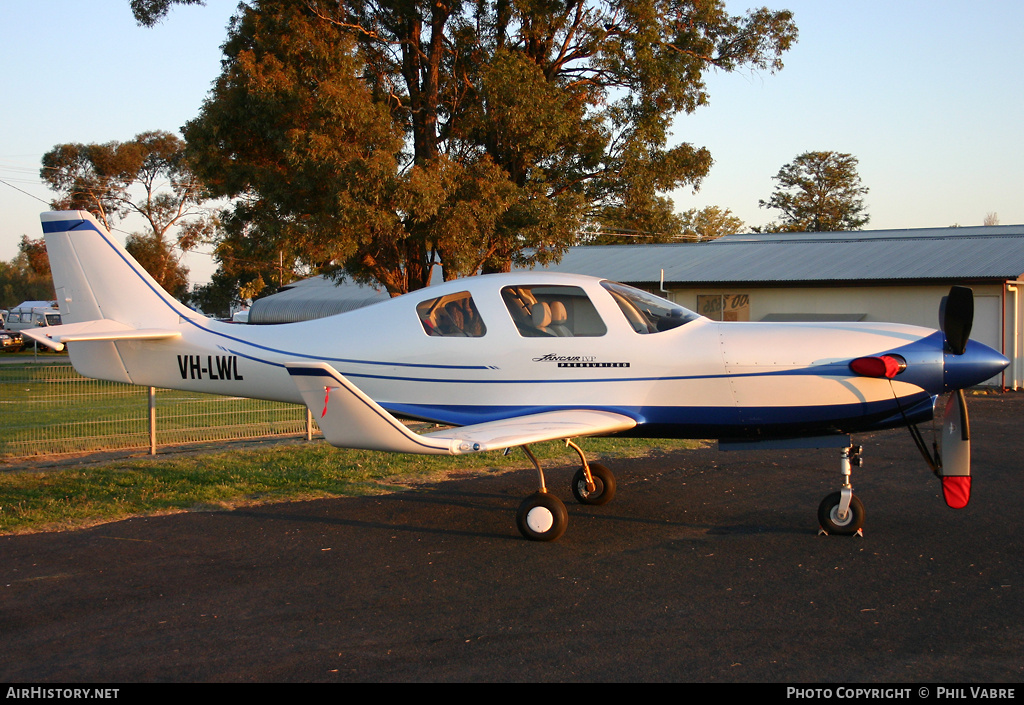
(513, 359)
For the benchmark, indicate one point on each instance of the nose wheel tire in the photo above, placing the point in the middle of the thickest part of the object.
(604, 485)
(833, 523)
(542, 517)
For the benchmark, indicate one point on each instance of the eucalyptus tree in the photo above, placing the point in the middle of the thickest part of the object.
(819, 192)
(389, 135)
(147, 177)
(698, 225)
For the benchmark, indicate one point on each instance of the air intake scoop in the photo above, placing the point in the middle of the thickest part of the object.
(878, 366)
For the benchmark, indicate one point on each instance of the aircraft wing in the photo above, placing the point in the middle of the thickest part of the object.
(56, 336)
(351, 419)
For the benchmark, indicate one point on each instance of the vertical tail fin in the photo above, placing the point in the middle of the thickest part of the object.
(104, 296)
(96, 279)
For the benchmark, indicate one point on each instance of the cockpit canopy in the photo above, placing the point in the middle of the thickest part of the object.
(552, 310)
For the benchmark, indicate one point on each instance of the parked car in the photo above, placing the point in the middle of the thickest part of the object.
(11, 342)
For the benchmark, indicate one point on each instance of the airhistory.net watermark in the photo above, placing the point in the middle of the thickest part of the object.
(62, 693)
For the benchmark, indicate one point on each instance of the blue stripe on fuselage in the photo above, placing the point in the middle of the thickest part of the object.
(709, 421)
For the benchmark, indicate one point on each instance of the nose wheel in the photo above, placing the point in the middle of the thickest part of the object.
(841, 513)
(833, 519)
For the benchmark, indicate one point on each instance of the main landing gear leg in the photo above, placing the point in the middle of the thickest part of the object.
(593, 483)
(543, 517)
(841, 512)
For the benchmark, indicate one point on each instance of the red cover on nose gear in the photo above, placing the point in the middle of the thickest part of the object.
(957, 490)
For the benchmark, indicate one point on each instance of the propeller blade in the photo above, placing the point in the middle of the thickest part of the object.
(956, 316)
(955, 459)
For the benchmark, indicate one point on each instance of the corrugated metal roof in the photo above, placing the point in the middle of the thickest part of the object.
(942, 254)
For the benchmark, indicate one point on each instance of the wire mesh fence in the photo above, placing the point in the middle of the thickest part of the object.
(49, 409)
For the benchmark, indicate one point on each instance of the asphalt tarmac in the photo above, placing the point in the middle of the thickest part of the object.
(707, 567)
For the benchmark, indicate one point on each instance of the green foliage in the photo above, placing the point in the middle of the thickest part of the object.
(27, 276)
(295, 137)
(387, 135)
(159, 259)
(93, 177)
(103, 178)
(148, 13)
(34, 252)
(711, 223)
(708, 223)
(19, 282)
(219, 297)
(818, 192)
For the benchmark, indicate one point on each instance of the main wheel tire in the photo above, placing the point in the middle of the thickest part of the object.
(542, 517)
(604, 485)
(831, 522)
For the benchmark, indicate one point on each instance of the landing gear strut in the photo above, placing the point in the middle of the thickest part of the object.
(841, 512)
(543, 517)
(593, 483)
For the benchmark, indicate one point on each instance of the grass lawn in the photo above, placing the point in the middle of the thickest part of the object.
(62, 499)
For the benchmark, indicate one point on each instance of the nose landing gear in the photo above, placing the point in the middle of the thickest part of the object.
(841, 512)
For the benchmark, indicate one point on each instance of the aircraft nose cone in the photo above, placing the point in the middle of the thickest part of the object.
(978, 363)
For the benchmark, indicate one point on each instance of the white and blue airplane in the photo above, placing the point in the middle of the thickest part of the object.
(513, 359)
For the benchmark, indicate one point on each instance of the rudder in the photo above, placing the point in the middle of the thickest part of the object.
(95, 277)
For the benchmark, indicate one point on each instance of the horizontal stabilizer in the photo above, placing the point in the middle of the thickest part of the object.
(351, 419)
(57, 337)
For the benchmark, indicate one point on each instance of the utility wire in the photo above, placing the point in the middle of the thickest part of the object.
(30, 195)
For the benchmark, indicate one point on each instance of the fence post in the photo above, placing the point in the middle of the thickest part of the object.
(309, 424)
(152, 420)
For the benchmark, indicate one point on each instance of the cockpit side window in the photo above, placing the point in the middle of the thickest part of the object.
(646, 312)
(552, 311)
(452, 316)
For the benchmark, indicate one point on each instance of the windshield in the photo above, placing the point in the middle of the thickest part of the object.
(646, 312)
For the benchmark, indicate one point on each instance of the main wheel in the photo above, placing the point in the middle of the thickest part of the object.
(604, 485)
(831, 522)
(542, 517)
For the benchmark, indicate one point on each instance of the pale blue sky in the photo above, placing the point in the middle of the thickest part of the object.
(928, 95)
